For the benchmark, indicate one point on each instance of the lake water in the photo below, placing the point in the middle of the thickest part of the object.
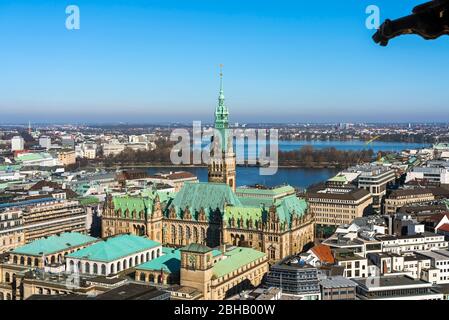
(299, 177)
(352, 145)
(243, 151)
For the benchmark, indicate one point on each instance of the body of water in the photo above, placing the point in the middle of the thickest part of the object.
(242, 150)
(298, 177)
(352, 145)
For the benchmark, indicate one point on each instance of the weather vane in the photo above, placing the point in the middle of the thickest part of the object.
(221, 70)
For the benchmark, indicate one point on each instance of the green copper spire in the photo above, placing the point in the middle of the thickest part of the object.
(222, 114)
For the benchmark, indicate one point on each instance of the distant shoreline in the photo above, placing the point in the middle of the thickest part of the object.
(181, 166)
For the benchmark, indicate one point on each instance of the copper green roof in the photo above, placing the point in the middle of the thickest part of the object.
(235, 259)
(142, 203)
(245, 214)
(54, 244)
(32, 156)
(115, 248)
(133, 204)
(255, 197)
(202, 195)
(266, 192)
(88, 200)
(169, 262)
(196, 247)
(286, 208)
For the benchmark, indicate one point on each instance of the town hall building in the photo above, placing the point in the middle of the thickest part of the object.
(272, 220)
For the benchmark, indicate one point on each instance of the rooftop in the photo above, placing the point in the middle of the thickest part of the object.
(169, 262)
(54, 244)
(235, 259)
(114, 248)
(337, 282)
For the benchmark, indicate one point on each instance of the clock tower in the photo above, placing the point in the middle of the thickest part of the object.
(222, 163)
(196, 267)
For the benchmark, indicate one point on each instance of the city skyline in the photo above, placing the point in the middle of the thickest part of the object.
(286, 61)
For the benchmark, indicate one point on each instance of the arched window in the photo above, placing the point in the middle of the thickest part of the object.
(15, 259)
(158, 252)
(180, 234)
(7, 277)
(130, 264)
(119, 266)
(112, 268)
(188, 233)
(173, 234)
(195, 234)
(2, 297)
(103, 269)
(22, 260)
(142, 258)
(148, 256)
(29, 261)
(71, 266)
(36, 262)
(87, 267)
(142, 277)
(152, 254)
(95, 268)
(203, 235)
(136, 260)
(151, 278)
(79, 267)
(52, 260)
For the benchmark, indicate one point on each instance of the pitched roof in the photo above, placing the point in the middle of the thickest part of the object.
(206, 195)
(114, 248)
(54, 244)
(323, 253)
(444, 227)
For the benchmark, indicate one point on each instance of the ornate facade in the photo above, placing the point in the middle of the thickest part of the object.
(221, 168)
(212, 214)
(274, 221)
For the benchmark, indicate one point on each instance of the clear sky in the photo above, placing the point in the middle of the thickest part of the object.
(157, 60)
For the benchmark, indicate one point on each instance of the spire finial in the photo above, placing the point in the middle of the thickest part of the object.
(221, 77)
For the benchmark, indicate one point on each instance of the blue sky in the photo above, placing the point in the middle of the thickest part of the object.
(157, 60)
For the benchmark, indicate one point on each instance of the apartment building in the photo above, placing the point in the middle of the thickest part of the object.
(11, 229)
(439, 260)
(400, 244)
(398, 198)
(50, 216)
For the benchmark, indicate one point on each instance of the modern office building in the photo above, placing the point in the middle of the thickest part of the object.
(336, 206)
(294, 277)
(395, 287)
